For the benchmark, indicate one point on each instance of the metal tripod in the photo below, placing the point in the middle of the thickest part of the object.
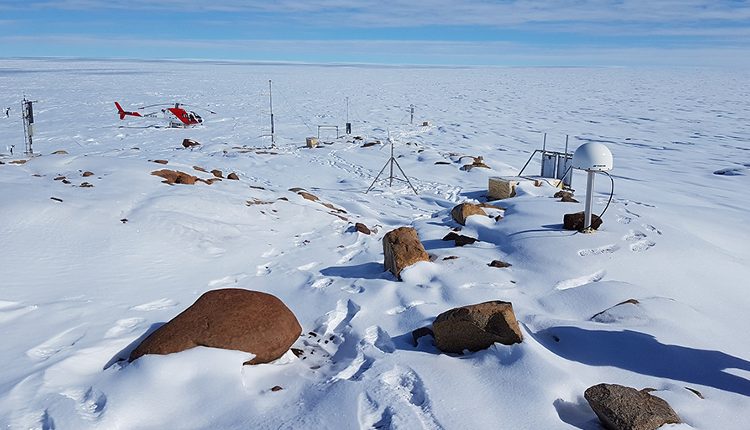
(391, 161)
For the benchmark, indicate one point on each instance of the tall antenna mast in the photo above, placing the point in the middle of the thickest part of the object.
(411, 110)
(270, 103)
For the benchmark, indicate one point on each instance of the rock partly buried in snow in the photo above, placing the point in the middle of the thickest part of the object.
(362, 228)
(233, 176)
(476, 327)
(465, 210)
(160, 161)
(499, 264)
(60, 152)
(86, 174)
(217, 173)
(175, 177)
(625, 408)
(565, 196)
(459, 239)
(230, 318)
(307, 196)
(574, 221)
(402, 248)
(189, 143)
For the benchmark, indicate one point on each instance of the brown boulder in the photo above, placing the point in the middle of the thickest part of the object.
(402, 248)
(217, 173)
(175, 177)
(86, 174)
(574, 221)
(233, 176)
(476, 327)
(161, 161)
(60, 152)
(465, 210)
(230, 318)
(625, 408)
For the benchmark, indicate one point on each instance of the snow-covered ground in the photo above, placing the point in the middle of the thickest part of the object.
(78, 285)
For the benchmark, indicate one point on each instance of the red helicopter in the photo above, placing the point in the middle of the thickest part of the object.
(176, 115)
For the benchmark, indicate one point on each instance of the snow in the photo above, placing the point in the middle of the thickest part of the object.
(79, 287)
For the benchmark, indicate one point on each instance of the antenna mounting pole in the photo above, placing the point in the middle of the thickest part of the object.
(270, 104)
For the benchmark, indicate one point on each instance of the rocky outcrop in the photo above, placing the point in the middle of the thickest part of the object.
(402, 248)
(476, 327)
(625, 408)
(232, 318)
(574, 221)
(460, 212)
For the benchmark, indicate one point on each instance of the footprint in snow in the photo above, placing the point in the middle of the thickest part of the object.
(156, 305)
(634, 235)
(401, 309)
(56, 344)
(124, 326)
(642, 245)
(583, 280)
(400, 397)
(90, 402)
(652, 229)
(606, 249)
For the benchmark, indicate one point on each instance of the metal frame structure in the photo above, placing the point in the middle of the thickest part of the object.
(555, 155)
(391, 161)
(328, 127)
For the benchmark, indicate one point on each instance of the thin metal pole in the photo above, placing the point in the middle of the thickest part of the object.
(390, 183)
(589, 199)
(411, 109)
(544, 143)
(270, 103)
(566, 144)
(347, 109)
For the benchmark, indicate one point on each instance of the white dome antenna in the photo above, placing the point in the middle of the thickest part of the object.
(592, 157)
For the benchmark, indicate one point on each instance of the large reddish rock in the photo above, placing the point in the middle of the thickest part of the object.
(574, 221)
(230, 318)
(476, 327)
(402, 248)
(465, 210)
(625, 408)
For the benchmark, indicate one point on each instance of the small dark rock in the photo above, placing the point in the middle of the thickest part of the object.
(499, 264)
(233, 176)
(160, 161)
(276, 388)
(459, 239)
(217, 173)
(362, 228)
(86, 174)
(574, 221)
(56, 199)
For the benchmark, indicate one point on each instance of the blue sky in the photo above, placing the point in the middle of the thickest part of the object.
(471, 32)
